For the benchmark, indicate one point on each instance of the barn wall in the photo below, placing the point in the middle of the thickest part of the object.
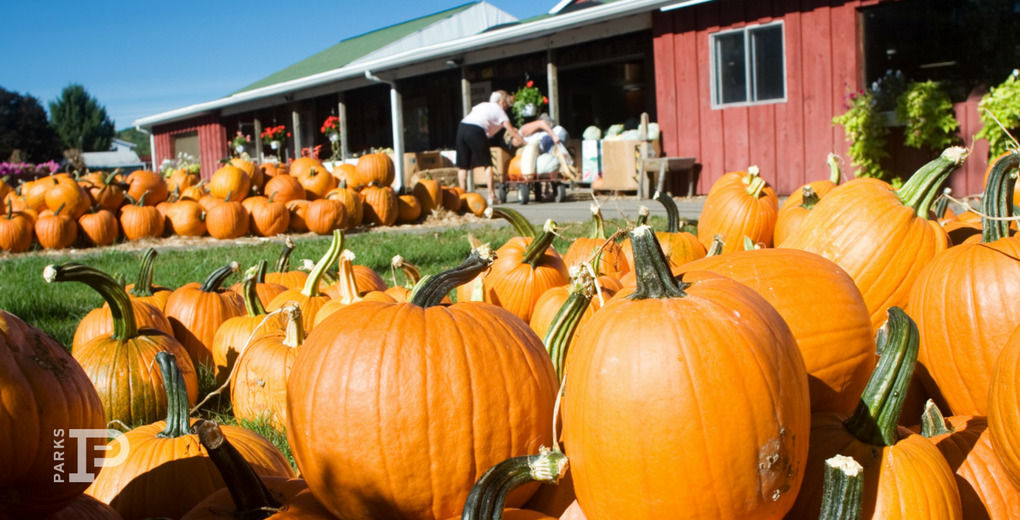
(212, 138)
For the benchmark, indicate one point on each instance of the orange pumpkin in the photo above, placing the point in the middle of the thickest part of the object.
(99, 227)
(739, 204)
(610, 261)
(258, 389)
(451, 200)
(803, 200)
(524, 269)
(1004, 408)
(197, 311)
(234, 334)
(374, 167)
(324, 216)
(408, 209)
(429, 193)
(474, 203)
(317, 182)
(55, 231)
(561, 312)
(15, 230)
(282, 274)
(35, 193)
(64, 192)
(187, 218)
(346, 292)
(142, 181)
(309, 299)
(100, 322)
(230, 183)
(140, 220)
(680, 247)
(343, 172)
(227, 220)
(181, 179)
(351, 200)
(298, 211)
(513, 170)
(380, 206)
(253, 170)
(270, 218)
(302, 165)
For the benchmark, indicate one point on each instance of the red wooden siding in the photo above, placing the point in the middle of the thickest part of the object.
(212, 141)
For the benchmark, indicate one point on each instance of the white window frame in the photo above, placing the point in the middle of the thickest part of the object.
(748, 58)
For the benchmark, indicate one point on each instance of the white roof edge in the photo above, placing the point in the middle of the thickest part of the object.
(560, 6)
(532, 29)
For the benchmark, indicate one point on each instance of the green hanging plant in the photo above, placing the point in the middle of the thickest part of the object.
(866, 132)
(1004, 102)
(928, 113)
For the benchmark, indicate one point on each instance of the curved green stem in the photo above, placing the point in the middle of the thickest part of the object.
(260, 271)
(520, 224)
(178, 421)
(143, 285)
(642, 219)
(923, 186)
(10, 209)
(672, 212)
(252, 304)
(942, 204)
(654, 279)
(561, 331)
(217, 277)
(412, 275)
(538, 245)
(715, 249)
(252, 499)
(123, 314)
(835, 173)
(315, 277)
(598, 228)
(875, 419)
(283, 262)
(843, 489)
(488, 496)
(810, 198)
(998, 197)
(432, 289)
(932, 421)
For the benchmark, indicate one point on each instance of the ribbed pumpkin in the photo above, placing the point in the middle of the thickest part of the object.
(308, 299)
(140, 220)
(56, 231)
(324, 216)
(374, 167)
(142, 181)
(282, 274)
(880, 237)
(443, 362)
(100, 323)
(253, 170)
(181, 179)
(985, 490)
(164, 455)
(825, 312)
(250, 202)
(258, 388)
(351, 200)
(187, 218)
(298, 211)
(905, 475)
(195, 193)
(1004, 408)
(342, 172)
(317, 182)
(270, 218)
(46, 394)
(16, 230)
(285, 188)
(966, 301)
(230, 183)
(451, 200)
(104, 192)
(680, 247)
(649, 366)
(233, 335)
(65, 192)
(524, 269)
(227, 220)
(429, 193)
(739, 204)
(408, 209)
(803, 200)
(99, 227)
(368, 280)
(302, 165)
(131, 394)
(610, 260)
(474, 203)
(346, 291)
(35, 193)
(380, 208)
(196, 311)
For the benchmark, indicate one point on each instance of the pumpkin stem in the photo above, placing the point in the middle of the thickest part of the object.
(295, 335)
(642, 219)
(998, 198)
(598, 228)
(843, 489)
(942, 204)
(672, 212)
(533, 254)
(315, 277)
(754, 182)
(345, 279)
(178, 420)
(61, 208)
(252, 499)
(520, 224)
(10, 209)
(431, 290)
(654, 279)
(922, 187)
(124, 325)
(810, 198)
(560, 334)
(715, 249)
(217, 277)
(143, 285)
(260, 271)
(488, 496)
(411, 272)
(835, 172)
(283, 262)
(250, 295)
(932, 421)
(141, 200)
(875, 419)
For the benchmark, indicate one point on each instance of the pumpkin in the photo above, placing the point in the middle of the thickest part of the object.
(285, 188)
(906, 475)
(803, 200)
(282, 274)
(195, 193)
(474, 203)
(965, 301)
(99, 227)
(606, 258)
(324, 216)
(417, 350)
(298, 210)
(141, 221)
(230, 183)
(272, 169)
(84, 507)
(451, 200)
(265, 291)
(100, 323)
(186, 218)
(368, 280)
(258, 388)
(351, 200)
(15, 230)
(684, 335)
(523, 270)
(56, 231)
(408, 209)
(985, 491)
(270, 218)
(513, 170)
(249, 203)
(46, 394)
(487, 496)
(1004, 408)
(142, 181)
(822, 306)
(342, 172)
(411, 276)
(739, 204)
(679, 246)
(374, 167)
(380, 208)
(235, 333)
(130, 394)
(302, 165)
(197, 311)
(880, 237)
(142, 289)
(346, 291)
(308, 299)
(181, 179)
(429, 193)
(560, 313)
(317, 182)
(164, 455)
(227, 220)
(253, 170)
(105, 192)
(64, 192)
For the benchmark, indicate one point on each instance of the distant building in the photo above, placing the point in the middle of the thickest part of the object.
(121, 155)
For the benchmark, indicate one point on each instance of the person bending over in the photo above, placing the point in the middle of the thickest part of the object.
(474, 132)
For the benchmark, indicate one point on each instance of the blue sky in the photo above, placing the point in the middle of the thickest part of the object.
(140, 58)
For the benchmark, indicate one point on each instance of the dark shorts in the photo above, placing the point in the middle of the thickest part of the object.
(472, 147)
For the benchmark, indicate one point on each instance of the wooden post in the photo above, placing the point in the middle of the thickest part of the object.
(554, 88)
(465, 101)
(258, 141)
(296, 132)
(397, 113)
(342, 110)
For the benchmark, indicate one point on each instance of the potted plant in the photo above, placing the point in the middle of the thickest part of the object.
(331, 127)
(239, 142)
(527, 102)
(273, 135)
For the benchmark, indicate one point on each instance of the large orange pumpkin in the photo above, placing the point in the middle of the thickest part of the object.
(524, 269)
(142, 181)
(880, 237)
(66, 193)
(230, 183)
(449, 366)
(46, 394)
(490, 493)
(1004, 408)
(374, 167)
(739, 204)
(610, 260)
(650, 366)
(285, 188)
(196, 311)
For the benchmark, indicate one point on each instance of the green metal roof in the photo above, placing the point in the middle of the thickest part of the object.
(352, 48)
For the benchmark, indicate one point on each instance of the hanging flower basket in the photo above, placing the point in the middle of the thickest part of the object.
(275, 145)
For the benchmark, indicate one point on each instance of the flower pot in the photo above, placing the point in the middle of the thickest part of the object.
(239, 148)
(529, 110)
(275, 145)
(334, 137)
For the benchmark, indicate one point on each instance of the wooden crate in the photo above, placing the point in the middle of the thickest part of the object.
(619, 163)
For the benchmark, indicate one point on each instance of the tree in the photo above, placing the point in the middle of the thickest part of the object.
(23, 127)
(80, 121)
(132, 135)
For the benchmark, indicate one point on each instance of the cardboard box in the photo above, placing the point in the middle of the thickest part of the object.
(418, 161)
(500, 162)
(619, 162)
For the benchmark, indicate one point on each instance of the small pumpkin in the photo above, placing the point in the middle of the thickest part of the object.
(230, 183)
(374, 167)
(610, 259)
(142, 181)
(197, 311)
(234, 334)
(380, 208)
(474, 203)
(408, 209)
(56, 231)
(429, 193)
(181, 179)
(524, 269)
(270, 218)
(451, 200)
(227, 220)
(317, 182)
(106, 193)
(258, 388)
(16, 230)
(64, 192)
(265, 291)
(186, 218)
(302, 165)
(253, 170)
(739, 204)
(800, 203)
(140, 220)
(351, 200)
(324, 216)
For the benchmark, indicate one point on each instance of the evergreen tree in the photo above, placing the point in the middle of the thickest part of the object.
(80, 121)
(23, 126)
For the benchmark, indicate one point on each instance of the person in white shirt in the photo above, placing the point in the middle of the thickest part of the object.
(474, 132)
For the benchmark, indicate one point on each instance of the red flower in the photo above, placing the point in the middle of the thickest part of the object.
(545, 100)
(531, 84)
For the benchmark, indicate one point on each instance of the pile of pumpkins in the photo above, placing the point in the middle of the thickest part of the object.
(241, 198)
(866, 367)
